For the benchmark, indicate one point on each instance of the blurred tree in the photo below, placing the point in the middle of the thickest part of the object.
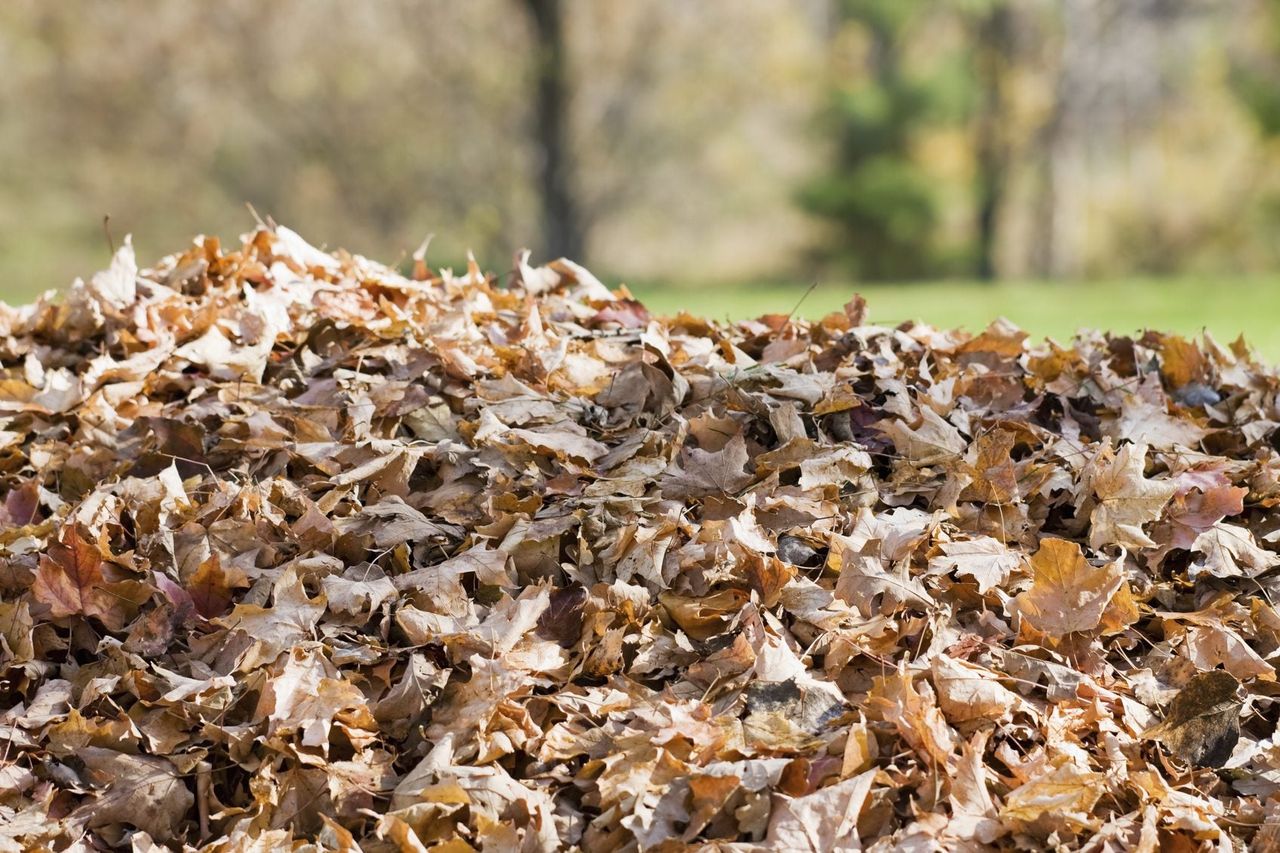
(993, 56)
(1255, 78)
(563, 230)
(993, 137)
(1120, 73)
(881, 202)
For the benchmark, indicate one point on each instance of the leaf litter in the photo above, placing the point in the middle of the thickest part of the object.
(300, 552)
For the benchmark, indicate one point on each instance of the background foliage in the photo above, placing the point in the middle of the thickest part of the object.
(759, 140)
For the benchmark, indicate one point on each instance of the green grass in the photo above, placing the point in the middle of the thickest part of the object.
(1225, 307)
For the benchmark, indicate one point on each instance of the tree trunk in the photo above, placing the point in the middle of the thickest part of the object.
(1063, 204)
(563, 232)
(993, 55)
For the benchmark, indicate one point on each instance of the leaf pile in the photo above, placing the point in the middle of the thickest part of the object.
(298, 550)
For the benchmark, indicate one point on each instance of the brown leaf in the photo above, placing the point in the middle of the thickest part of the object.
(212, 588)
(70, 581)
(1203, 723)
(139, 791)
(934, 441)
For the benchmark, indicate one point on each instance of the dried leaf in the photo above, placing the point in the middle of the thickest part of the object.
(1068, 594)
(139, 791)
(70, 581)
(1126, 499)
(1203, 723)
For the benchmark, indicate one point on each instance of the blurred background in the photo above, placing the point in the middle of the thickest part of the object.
(1061, 162)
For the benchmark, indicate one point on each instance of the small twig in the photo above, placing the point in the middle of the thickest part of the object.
(202, 797)
(805, 296)
(106, 230)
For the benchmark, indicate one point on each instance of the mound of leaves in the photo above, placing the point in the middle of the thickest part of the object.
(298, 550)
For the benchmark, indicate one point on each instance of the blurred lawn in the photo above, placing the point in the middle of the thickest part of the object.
(1225, 307)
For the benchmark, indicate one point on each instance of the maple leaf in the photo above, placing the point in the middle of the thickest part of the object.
(1230, 551)
(1067, 594)
(1065, 795)
(71, 582)
(275, 629)
(562, 441)
(988, 561)
(1181, 361)
(211, 587)
(995, 477)
(625, 581)
(915, 712)
(1145, 421)
(1203, 723)
(306, 698)
(1209, 646)
(970, 692)
(703, 472)
(1190, 515)
(823, 820)
(148, 793)
(358, 590)
(933, 441)
(1126, 499)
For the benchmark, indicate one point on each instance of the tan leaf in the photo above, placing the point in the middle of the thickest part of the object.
(970, 692)
(896, 699)
(305, 698)
(1064, 795)
(821, 821)
(1067, 594)
(995, 477)
(1210, 646)
(140, 791)
(1230, 551)
(988, 561)
(211, 587)
(274, 629)
(701, 473)
(1193, 514)
(359, 590)
(562, 441)
(1126, 499)
(935, 440)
